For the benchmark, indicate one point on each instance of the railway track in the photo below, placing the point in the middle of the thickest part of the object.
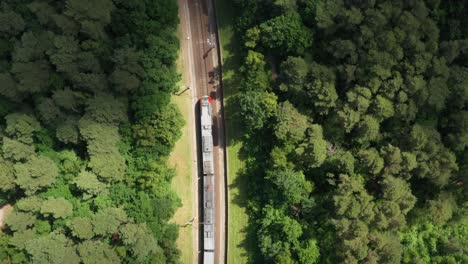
(200, 38)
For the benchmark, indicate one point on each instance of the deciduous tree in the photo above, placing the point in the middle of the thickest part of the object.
(36, 174)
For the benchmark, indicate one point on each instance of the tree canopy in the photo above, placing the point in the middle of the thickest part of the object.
(354, 131)
(86, 125)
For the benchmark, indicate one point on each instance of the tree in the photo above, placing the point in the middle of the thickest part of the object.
(457, 136)
(108, 166)
(292, 185)
(392, 158)
(8, 88)
(323, 96)
(67, 131)
(102, 139)
(309, 252)
(32, 77)
(349, 118)
(342, 161)
(32, 47)
(29, 204)
(49, 113)
(95, 252)
(442, 208)
(385, 247)
(128, 72)
(21, 127)
(313, 151)
(81, 227)
(54, 248)
(20, 221)
(359, 98)
(106, 109)
(278, 233)
(43, 12)
(286, 33)
(17, 151)
(35, 174)
(11, 23)
(397, 201)
(353, 211)
(161, 130)
(88, 183)
(107, 221)
(293, 72)
(367, 129)
(7, 176)
(370, 161)
(290, 125)
(68, 99)
(382, 108)
(256, 108)
(256, 77)
(20, 238)
(57, 208)
(435, 161)
(81, 12)
(142, 244)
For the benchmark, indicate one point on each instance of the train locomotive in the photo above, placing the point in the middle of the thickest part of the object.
(208, 180)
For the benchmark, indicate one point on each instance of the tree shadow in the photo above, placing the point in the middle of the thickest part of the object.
(229, 75)
(250, 242)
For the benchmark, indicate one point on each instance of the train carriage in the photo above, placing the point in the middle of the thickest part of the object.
(208, 180)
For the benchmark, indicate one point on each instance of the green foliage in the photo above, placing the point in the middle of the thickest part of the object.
(7, 176)
(21, 127)
(20, 221)
(278, 233)
(442, 208)
(371, 161)
(309, 252)
(36, 174)
(291, 184)
(81, 227)
(386, 80)
(94, 252)
(353, 211)
(313, 151)
(291, 125)
(57, 208)
(17, 151)
(102, 139)
(285, 33)
(29, 204)
(162, 129)
(20, 239)
(257, 108)
(67, 132)
(108, 220)
(322, 95)
(256, 75)
(53, 248)
(293, 74)
(367, 129)
(84, 69)
(88, 183)
(397, 201)
(12, 23)
(106, 109)
(142, 243)
(426, 242)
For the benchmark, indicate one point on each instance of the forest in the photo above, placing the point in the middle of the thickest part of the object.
(86, 127)
(355, 129)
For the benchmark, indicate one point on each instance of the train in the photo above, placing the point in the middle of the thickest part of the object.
(208, 180)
